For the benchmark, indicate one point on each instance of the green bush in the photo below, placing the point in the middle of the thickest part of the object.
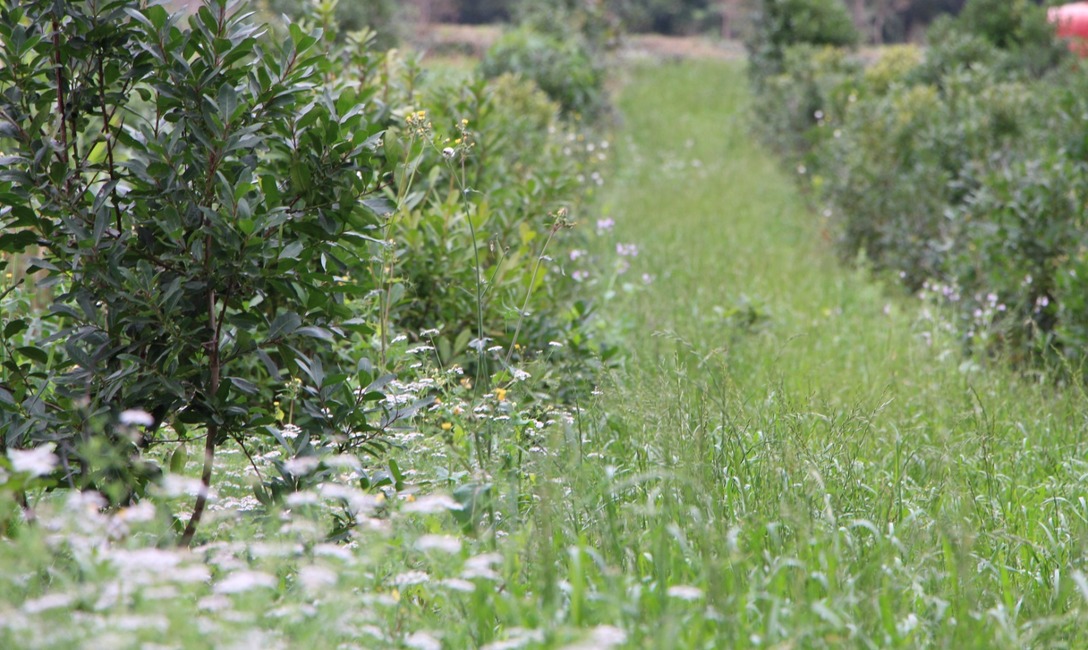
(241, 234)
(524, 166)
(383, 17)
(564, 68)
(667, 16)
(1012, 37)
(801, 105)
(1008, 24)
(1019, 240)
(195, 210)
(962, 170)
(779, 24)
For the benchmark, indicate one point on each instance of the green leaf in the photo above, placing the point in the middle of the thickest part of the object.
(17, 242)
(178, 459)
(14, 327)
(244, 385)
(262, 495)
(97, 153)
(315, 332)
(34, 353)
(398, 476)
(284, 325)
(291, 251)
(380, 206)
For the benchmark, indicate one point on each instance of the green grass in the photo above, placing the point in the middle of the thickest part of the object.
(791, 457)
(824, 473)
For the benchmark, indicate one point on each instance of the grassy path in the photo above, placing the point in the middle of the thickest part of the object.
(811, 457)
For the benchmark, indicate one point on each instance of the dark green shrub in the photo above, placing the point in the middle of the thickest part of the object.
(1019, 240)
(963, 170)
(1011, 37)
(383, 17)
(667, 16)
(564, 68)
(804, 103)
(779, 24)
(901, 159)
(194, 196)
(1008, 24)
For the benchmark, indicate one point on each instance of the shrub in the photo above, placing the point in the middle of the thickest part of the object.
(197, 209)
(895, 65)
(802, 104)
(1018, 235)
(382, 17)
(564, 68)
(1012, 37)
(963, 170)
(667, 16)
(240, 233)
(1008, 24)
(779, 24)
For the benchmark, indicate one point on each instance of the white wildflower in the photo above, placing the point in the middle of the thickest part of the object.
(143, 511)
(136, 417)
(315, 578)
(192, 574)
(432, 504)
(144, 559)
(173, 485)
(38, 461)
(303, 498)
(241, 581)
(302, 465)
(480, 566)
(409, 578)
(457, 584)
(47, 602)
(357, 500)
(517, 637)
(479, 344)
(601, 638)
(442, 543)
(214, 603)
(343, 460)
(334, 550)
(422, 641)
(685, 592)
(908, 624)
(606, 636)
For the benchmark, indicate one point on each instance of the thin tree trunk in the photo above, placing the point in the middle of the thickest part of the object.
(213, 429)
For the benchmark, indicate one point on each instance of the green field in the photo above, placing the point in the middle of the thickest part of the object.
(792, 456)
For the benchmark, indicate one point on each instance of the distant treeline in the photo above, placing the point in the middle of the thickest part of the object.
(876, 20)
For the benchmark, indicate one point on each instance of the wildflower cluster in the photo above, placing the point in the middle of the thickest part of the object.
(418, 124)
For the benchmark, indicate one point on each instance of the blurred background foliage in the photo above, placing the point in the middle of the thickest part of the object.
(876, 20)
(960, 168)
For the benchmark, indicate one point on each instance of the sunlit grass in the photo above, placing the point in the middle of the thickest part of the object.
(790, 457)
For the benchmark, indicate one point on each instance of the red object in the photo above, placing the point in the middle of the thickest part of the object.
(1072, 24)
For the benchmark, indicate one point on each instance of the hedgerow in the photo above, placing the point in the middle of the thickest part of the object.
(960, 169)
